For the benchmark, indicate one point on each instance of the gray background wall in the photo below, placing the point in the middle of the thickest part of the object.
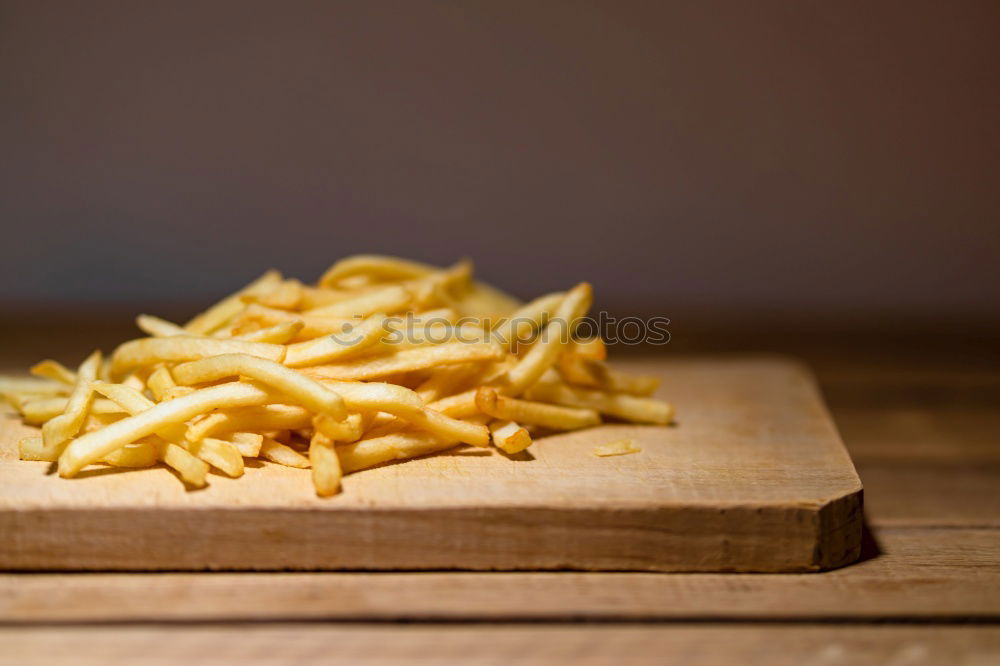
(778, 156)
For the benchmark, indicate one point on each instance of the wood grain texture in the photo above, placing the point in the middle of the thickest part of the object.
(754, 478)
(918, 574)
(500, 645)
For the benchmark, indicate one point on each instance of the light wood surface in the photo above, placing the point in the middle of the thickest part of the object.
(919, 418)
(959, 576)
(504, 644)
(754, 478)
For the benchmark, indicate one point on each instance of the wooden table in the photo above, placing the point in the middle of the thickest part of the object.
(920, 417)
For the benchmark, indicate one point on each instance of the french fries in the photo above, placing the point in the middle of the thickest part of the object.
(383, 360)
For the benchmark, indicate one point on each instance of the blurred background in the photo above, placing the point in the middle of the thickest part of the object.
(785, 165)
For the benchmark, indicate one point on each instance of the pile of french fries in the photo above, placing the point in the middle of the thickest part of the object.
(383, 359)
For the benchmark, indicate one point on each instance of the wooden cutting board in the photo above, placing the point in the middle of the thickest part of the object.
(753, 477)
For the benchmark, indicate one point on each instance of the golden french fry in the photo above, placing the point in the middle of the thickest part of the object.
(93, 446)
(60, 428)
(509, 436)
(526, 411)
(275, 451)
(386, 300)
(377, 266)
(326, 473)
(623, 406)
(448, 428)
(581, 371)
(299, 388)
(38, 411)
(33, 448)
(348, 430)
(406, 360)
(255, 419)
(279, 334)
(222, 312)
(337, 346)
(247, 443)
(143, 453)
(284, 296)
(617, 448)
(191, 470)
(54, 370)
(157, 327)
(160, 382)
(398, 446)
(222, 455)
(176, 348)
(458, 406)
(377, 397)
(178, 391)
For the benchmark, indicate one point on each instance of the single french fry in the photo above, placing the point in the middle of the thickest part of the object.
(387, 300)
(59, 429)
(337, 346)
(376, 396)
(176, 348)
(160, 382)
(446, 427)
(279, 334)
(581, 371)
(191, 470)
(93, 446)
(347, 430)
(220, 454)
(38, 411)
(545, 352)
(377, 266)
(285, 296)
(623, 406)
(509, 436)
(398, 446)
(617, 448)
(54, 370)
(406, 360)
(33, 448)
(157, 327)
(299, 388)
(143, 453)
(275, 451)
(326, 472)
(178, 391)
(247, 443)
(255, 419)
(458, 406)
(526, 411)
(222, 312)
